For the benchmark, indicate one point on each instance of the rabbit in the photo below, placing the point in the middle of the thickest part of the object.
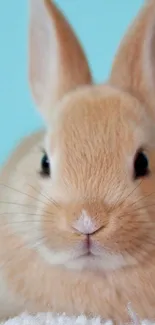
(77, 205)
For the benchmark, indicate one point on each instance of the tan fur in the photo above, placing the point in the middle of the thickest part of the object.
(92, 137)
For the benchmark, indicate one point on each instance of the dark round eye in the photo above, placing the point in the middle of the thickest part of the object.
(141, 165)
(45, 165)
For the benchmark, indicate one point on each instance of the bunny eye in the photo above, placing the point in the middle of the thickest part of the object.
(45, 165)
(141, 165)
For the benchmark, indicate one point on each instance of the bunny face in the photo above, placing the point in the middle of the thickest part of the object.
(99, 153)
(100, 206)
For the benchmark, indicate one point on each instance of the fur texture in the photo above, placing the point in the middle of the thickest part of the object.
(48, 261)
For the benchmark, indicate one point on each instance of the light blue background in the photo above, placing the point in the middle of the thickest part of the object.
(100, 25)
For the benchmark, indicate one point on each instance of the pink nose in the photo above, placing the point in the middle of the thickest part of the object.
(85, 225)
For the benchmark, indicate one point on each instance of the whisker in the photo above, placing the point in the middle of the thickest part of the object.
(46, 197)
(25, 214)
(143, 197)
(118, 200)
(20, 247)
(132, 192)
(23, 205)
(139, 222)
(144, 207)
(19, 204)
(120, 204)
(37, 191)
(14, 189)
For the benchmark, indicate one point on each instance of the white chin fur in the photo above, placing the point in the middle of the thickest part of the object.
(96, 263)
(72, 261)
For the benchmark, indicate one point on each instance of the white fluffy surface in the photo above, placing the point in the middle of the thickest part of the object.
(50, 319)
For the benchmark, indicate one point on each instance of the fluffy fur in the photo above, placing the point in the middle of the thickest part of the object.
(93, 134)
(52, 319)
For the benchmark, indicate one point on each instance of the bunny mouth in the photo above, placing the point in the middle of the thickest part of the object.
(84, 261)
(90, 250)
(96, 259)
(93, 258)
(87, 256)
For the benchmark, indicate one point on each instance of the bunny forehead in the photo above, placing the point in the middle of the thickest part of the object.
(85, 101)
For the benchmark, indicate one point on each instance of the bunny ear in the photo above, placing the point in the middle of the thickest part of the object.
(134, 66)
(57, 63)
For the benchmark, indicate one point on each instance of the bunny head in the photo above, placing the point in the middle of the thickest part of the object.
(99, 162)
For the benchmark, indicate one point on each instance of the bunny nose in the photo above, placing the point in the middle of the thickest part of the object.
(85, 225)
